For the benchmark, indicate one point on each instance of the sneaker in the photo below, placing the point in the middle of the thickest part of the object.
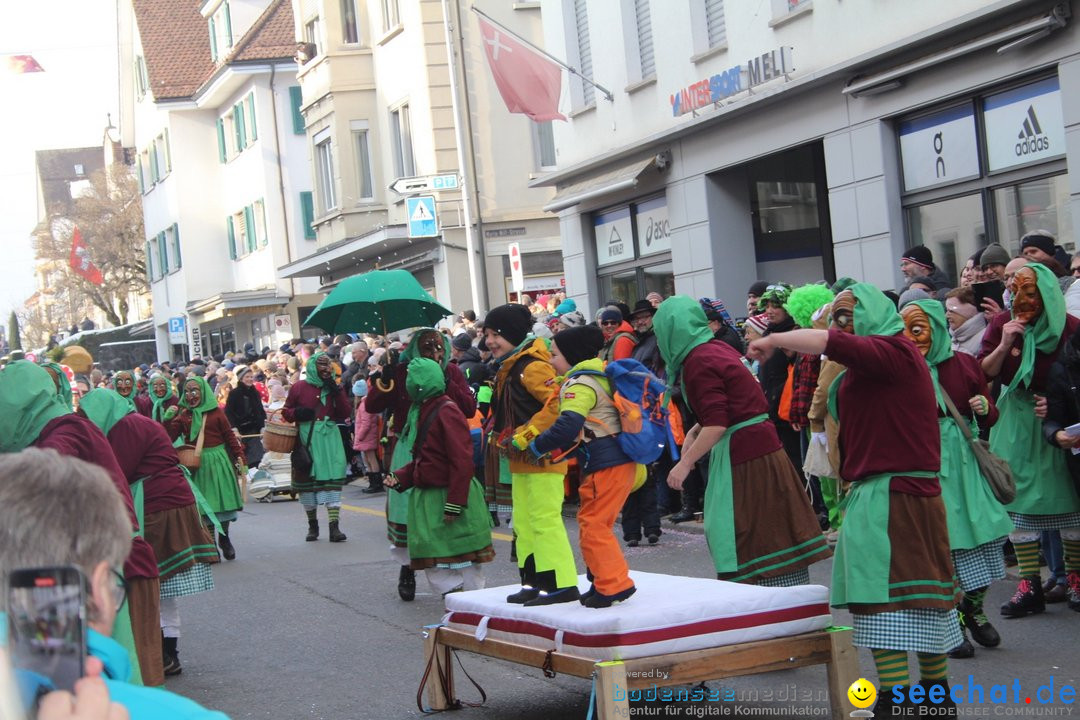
(633, 543)
(562, 595)
(1028, 599)
(653, 538)
(598, 600)
(1072, 580)
(523, 595)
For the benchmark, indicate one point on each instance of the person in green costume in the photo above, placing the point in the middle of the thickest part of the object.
(892, 568)
(317, 404)
(1019, 348)
(124, 384)
(160, 396)
(758, 521)
(222, 456)
(978, 524)
(449, 527)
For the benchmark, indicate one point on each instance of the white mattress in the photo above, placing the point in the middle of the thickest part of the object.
(667, 614)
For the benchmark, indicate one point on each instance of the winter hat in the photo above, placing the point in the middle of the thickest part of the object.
(920, 255)
(655, 297)
(715, 311)
(512, 321)
(924, 280)
(541, 330)
(572, 319)
(758, 323)
(776, 293)
(911, 295)
(578, 344)
(566, 306)
(611, 314)
(241, 371)
(643, 306)
(461, 341)
(995, 254)
(758, 288)
(842, 284)
(1038, 239)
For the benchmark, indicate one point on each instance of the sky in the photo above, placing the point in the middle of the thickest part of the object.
(65, 106)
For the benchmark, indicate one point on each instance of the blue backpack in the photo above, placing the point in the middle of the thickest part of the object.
(638, 396)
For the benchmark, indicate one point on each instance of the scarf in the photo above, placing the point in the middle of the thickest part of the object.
(207, 403)
(104, 408)
(28, 402)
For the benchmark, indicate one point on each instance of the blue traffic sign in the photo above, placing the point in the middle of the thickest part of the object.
(422, 219)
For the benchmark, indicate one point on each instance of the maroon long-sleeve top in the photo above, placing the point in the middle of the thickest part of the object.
(304, 394)
(398, 401)
(77, 436)
(144, 404)
(218, 432)
(143, 451)
(961, 376)
(888, 411)
(992, 338)
(444, 456)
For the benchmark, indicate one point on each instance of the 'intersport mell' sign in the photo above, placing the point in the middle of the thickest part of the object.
(761, 69)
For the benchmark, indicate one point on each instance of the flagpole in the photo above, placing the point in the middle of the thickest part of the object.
(466, 185)
(549, 56)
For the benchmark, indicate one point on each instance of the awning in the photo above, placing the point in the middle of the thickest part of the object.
(623, 177)
(249, 301)
(347, 257)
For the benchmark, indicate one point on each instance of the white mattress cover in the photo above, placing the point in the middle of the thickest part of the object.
(667, 614)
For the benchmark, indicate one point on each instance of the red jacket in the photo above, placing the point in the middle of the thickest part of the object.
(397, 399)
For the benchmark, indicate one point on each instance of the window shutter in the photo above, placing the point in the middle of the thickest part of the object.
(213, 40)
(163, 252)
(296, 99)
(139, 177)
(645, 38)
(222, 155)
(154, 174)
(249, 228)
(238, 126)
(168, 152)
(264, 240)
(232, 237)
(177, 258)
(714, 22)
(228, 26)
(585, 64)
(251, 115)
(149, 264)
(307, 212)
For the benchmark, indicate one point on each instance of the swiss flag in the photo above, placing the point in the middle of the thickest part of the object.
(20, 64)
(528, 82)
(80, 259)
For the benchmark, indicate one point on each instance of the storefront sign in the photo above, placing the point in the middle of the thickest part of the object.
(177, 330)
(939, 148)
(614, 237)
(761, 69)
(283, 327)
(517, 273)
(196, 341)
(1024, 125)
(504, 232)
(653, 228)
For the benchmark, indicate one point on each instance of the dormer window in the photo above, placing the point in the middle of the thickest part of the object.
(221, 35)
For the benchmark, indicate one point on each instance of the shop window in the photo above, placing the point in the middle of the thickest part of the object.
(1041, 204)
(953, 230)
(633, 244)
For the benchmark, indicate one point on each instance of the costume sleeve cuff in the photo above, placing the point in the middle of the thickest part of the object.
(452, 509)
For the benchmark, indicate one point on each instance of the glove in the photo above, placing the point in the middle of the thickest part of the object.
(171, 413)
(303, 414)
(523, 437)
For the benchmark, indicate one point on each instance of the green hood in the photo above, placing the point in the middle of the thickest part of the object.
(130, 399)
(875, 314)
(104, 407)
(209, 402)
(1045, 333)
(679, 326)
(159, 402)
(413, 351)
(425, 380)
(311, 377)
(28, 401)
(63, 387)
(941, 342)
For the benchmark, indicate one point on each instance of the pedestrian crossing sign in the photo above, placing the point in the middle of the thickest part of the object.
(422, 219)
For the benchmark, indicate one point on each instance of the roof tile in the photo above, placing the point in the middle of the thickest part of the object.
(176, 45)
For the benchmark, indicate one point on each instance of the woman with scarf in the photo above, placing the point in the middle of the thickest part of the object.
(222, 457)
(165, 505)
(389, 393)
(1019, 349)
(966, 322)
(892, 568)
(244, 408)
(33, 414)
(449, 529)
(317, 404)
(759, 524)
(978, 524)
(160, 396)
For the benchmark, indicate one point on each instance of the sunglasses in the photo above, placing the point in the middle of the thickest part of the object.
(610, 322)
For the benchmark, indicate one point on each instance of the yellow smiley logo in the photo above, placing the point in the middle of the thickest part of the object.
(862, 693)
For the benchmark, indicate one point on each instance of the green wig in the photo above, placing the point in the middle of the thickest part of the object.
(805, 301)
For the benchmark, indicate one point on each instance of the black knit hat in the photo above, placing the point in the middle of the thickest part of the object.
(578, 344)
(758, 288)
(1038, 239)
(920, 255)
(512, 321)
(461, 341)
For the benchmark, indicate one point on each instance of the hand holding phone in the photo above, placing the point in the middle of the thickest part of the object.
(991, 290)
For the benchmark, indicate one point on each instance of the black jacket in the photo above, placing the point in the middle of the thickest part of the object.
(1063, 400)
(730, 335)
(473, 368)
(774, 371)
(244, 409)
(647, 352)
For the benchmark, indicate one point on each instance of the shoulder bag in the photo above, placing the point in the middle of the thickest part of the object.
(301, 459)
(996, 471)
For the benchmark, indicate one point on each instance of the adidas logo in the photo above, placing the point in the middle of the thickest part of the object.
(1031, 139)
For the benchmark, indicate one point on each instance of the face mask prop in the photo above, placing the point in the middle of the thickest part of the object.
(1027, 303)
(843, 312)
(917, 328)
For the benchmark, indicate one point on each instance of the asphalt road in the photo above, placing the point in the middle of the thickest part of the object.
(313, 630)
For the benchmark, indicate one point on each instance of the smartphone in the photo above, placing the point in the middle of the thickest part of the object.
(989, 290)
(47, 625)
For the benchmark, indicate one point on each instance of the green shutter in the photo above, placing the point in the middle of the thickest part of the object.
(307, 212)
(163, 252)
(213, 41)
(249, 223)
(232, 237)
(139, 176)
(154, 174)
(251, 115)
(296, 98)
(265, 239)
(178, 261)
(238, 126)
(222, 154)
(149, 264)
(228, 25)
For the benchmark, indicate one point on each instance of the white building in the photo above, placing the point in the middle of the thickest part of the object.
(798, 140)
(224, 171)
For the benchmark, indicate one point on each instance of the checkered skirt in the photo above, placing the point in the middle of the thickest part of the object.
(977, 567)
(925, 630)
(196, 579)
(1064, 521)
(799, 577)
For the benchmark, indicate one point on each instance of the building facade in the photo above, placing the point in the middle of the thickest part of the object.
(798, 140)
(223, 173)
(376, 107)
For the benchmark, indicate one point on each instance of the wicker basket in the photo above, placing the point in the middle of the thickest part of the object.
(279, 436)
(189, 456)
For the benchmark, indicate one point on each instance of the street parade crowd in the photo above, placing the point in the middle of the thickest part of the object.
(914, 438)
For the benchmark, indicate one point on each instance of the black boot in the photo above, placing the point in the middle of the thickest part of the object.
(945, 708)
(686, 513)
(887, 707)
(406, 584)
(975, 621)
(375, 483)
(599, 600)
(171, 657)
(227, 549)
(312, 530)
(964, 650)
(567, 594)
(335, 534)
(523, 595)
(1028, 599)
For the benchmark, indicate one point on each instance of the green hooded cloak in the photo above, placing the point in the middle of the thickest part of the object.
(28, 401)
(680, 326)
(424, 381)
(208, 403)
(311, 377)
(875, 314)
(158, 410)
(63, 387)
(1045, 333)
(105, 408)
(413, 350)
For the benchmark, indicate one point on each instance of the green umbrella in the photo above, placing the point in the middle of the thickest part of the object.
(380, 301)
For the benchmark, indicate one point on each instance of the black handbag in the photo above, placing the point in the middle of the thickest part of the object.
(301, 459)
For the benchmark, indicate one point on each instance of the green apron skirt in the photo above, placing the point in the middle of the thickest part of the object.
(432, 538)
(975, 516)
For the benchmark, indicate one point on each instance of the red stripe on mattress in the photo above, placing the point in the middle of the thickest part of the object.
(643, 637)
